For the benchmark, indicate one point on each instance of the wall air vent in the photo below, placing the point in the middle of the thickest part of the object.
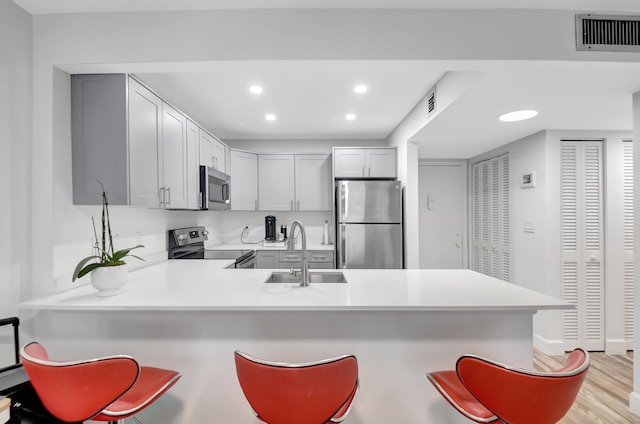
(611, 33)
(431, 100)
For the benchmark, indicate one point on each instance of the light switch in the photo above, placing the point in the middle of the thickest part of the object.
(528, 226)
(431, 203)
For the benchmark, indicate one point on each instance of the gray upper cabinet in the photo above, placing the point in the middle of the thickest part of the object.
(126, 137)
(364, 163)
(99, 138)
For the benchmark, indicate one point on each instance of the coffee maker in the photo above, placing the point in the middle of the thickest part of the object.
(270, 228)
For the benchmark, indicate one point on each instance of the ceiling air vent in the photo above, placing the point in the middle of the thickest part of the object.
(609, 33)
(431, 100)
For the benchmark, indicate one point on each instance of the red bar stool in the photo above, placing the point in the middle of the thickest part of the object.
(486, 391)
(311, 393)
(103, 389)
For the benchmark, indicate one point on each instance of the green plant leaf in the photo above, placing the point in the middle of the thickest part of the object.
(124, 252)
(78, 272)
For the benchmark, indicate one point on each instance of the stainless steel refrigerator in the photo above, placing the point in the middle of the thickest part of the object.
(369, 224)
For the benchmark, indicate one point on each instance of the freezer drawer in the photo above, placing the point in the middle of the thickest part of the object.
(369, 201)
(369, 246)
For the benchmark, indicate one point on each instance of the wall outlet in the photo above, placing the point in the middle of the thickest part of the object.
(528, 226)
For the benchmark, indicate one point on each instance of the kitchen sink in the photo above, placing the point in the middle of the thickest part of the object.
(314, 277)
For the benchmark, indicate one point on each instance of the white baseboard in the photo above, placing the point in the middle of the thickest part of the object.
(615, 347)
(548, 347)
(634, 403)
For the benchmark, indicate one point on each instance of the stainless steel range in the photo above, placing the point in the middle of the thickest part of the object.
(188, 243)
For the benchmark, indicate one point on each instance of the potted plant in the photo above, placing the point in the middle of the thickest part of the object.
(108, 273)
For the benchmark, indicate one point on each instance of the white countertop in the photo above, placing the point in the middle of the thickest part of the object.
(188, 285)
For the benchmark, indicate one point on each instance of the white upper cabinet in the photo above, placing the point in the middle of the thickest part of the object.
(294, 182)
(365, 163)
(243, 169)
(175, 161)
(313, 182)
(212, 152)
(193, 166)
(145, 146)
(126, 137)
(276, 182)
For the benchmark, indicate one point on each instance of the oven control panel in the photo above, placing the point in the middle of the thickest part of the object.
(184, 236)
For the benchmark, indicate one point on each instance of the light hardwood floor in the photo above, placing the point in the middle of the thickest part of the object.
(604, 397)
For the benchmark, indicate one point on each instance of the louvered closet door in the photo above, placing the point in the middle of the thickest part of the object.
(490, 217)
(582, 244)
(628, 241)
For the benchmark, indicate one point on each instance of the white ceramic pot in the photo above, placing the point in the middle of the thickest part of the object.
(108, 280)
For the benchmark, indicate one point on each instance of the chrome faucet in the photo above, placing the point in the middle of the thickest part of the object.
(291, 246)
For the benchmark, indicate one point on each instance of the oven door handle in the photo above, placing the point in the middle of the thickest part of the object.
(248, 262)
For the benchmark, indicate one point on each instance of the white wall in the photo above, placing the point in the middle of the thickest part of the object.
(15, 156)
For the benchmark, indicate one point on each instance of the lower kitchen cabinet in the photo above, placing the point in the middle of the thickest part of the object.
(316, 259)
(267, 259)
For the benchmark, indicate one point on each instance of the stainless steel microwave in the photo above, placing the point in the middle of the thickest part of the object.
(215, 189)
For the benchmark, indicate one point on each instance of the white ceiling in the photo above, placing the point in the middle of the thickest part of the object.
(311, 98)
(40, 7)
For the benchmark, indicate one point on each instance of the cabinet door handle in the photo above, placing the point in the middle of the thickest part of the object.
(161, 195)
(169, 191)
(362, 171)
(369, 171)
(255, 204)
(292, 256)
(298, 205)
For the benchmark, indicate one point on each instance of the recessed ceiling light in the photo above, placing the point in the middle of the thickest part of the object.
(518, 115)
(270, 117)
(255, 89)
(350, 117)
(360, 89)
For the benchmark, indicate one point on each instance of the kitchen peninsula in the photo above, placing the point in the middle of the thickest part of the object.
(192, 315)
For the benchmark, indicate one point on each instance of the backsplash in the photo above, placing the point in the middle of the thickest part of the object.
(233, 222)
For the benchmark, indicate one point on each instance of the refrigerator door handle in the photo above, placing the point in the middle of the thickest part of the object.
(344, 196)
(343, 238)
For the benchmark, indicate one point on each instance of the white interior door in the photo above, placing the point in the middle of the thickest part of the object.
(582, 244)
(442, 200)
(490, 217)
(628, 242)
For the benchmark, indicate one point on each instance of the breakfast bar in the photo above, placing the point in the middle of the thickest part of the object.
(191, 315)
